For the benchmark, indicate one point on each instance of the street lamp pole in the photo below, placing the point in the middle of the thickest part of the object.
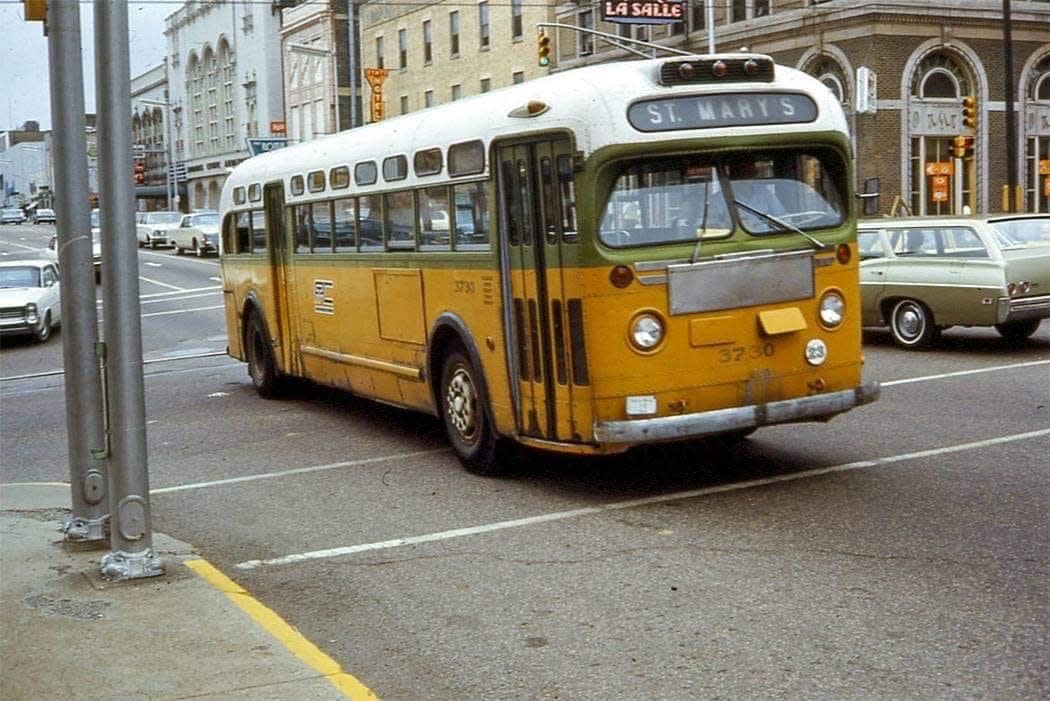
(169, 147)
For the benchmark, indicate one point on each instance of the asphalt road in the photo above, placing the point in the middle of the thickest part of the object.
(899, 552)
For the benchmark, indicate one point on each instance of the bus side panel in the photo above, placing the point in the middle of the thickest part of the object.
(470, 290)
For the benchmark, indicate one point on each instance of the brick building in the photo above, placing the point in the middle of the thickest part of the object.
(921, 60)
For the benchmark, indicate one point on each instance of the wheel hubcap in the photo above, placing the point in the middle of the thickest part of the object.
(910, 322)
(461, 404)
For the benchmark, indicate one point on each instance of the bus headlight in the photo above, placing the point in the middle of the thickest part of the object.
(832, 310)
(646, 331)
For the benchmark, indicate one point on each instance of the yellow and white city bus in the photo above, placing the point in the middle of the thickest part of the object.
(623, 254)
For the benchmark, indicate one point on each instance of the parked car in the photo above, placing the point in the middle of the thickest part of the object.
(12, 216)
(42, 216)
(154, 228)
(1031, 228)
(199, 232)
(30, 297)
(922, 275)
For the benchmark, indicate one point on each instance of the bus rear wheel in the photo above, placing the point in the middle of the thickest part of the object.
(466, 418)
(261, 365)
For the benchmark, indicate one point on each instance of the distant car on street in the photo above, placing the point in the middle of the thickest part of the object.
(199, 232)
(12, 216)
(44, 216)
(96, 245)
(921, 275)
(30, 298)
(154, 228)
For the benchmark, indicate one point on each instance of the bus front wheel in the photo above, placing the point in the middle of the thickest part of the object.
(465, 417)
(261, 366)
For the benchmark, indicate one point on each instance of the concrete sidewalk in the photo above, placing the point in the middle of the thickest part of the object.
(65, 633)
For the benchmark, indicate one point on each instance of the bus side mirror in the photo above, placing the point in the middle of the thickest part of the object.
(870, 197)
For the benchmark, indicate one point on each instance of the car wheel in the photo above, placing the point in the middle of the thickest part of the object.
(43, 332)
(197, 250)
(177, 249)
(261, 366)
(153, 244)
(911, 324)
(466, 417)
(1018, 331)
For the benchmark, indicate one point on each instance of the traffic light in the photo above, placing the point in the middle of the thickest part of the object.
(959, 146)
(543, 49)
(35, 10)
(140, 172)
(969, 112)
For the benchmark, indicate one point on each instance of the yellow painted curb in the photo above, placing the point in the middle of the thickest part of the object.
(289, 636)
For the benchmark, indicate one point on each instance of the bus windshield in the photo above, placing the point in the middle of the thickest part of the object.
(670, 200)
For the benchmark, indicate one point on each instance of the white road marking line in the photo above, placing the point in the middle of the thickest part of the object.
(28, 248)
(632, 503)
(176, 299)
(183, 311)
(297, 471)
(154, 265)
(927, 378)
(162, 284)
(179, 290)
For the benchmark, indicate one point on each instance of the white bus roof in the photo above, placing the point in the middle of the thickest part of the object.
(591, 101)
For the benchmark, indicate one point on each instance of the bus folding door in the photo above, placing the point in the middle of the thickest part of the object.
(539, 311)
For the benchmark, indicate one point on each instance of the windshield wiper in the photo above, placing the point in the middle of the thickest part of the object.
(784, 226)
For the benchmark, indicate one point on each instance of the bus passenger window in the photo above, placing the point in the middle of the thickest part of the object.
(345, 226)
(567, 185)
(472, 215)
(302, 228)
(400, 219)
(322, 228)
(258, 231)
(244, 233)
(511, 204)
(550, 202)
(434, 219)
(370, 222)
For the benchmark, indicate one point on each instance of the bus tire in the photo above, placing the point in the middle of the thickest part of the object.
(261, 365)
(466, 418)
(912, 325)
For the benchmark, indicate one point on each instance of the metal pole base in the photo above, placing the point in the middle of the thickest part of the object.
(81, 530)
(121, 565)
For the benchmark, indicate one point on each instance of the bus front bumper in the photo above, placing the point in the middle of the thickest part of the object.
(710, 423)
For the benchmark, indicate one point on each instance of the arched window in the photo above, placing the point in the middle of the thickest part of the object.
(829, 71)
(939, 77)
(1041, 80)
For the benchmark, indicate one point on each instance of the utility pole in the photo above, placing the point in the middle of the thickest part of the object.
(84, 416)
(1012, 198)
(131, 535)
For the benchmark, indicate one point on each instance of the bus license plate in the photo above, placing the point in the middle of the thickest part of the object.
(641, 406)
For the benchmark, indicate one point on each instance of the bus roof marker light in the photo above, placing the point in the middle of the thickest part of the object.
(687, 70)
(533, 108)
(751, 66)
(719, 68)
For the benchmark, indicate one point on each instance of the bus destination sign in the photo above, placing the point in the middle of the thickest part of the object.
(651, 12)
(727, 110)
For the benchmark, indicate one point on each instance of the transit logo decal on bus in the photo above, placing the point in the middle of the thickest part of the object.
(708, 111)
